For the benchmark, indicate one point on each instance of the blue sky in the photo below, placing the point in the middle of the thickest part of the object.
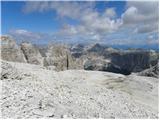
(13, 17)
(114, 22)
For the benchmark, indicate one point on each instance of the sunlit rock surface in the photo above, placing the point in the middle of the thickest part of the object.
(31, 53)
(32, 91)
(10, 51)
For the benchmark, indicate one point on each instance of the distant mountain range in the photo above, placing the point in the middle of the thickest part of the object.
(80, 56)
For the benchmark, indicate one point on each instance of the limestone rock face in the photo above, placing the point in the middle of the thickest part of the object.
(104, 65)
(10, 51)
(134, 61)
(59, 56)
(96, 48)
(31, 54)
(95, 64)
(121, 61)
(77, 50)
(151, 72)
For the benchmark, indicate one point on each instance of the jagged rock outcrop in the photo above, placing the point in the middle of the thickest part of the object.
(31, 53)
(59, 56)
(77, 50)
(151, 72)
(96, 48)
(10, 51)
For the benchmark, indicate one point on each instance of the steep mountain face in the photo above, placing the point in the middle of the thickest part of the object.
(121, 61)
(104, 65)
(151, 72)
(77, 50)
(10, 51)
(31, 54)
(97, 48)
(59, 56)
(134, 61)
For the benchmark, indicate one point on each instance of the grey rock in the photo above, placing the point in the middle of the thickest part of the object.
(9, 72)
(134, 61)
(10, 51)
(102, 65)
(59, 56)
(31, 53)
(151, 72)
(96, 48)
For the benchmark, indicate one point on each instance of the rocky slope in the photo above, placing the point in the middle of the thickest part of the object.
(32, 91)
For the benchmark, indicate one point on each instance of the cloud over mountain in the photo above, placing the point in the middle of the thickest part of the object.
(84, 20)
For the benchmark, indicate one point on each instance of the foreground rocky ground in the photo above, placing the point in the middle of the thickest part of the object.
(33, 91)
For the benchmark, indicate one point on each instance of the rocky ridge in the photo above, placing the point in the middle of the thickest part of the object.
(93, 57)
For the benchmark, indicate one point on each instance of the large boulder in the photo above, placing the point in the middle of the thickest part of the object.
(10, 51)
(31, 53)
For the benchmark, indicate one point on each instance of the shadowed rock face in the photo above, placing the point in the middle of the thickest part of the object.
(10, 51)
(31, 54)
(134, 61)
(96, 48)
(151, 72)
(120, 61)
(101, 65)
(77, 50)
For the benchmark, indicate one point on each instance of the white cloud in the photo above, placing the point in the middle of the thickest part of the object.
(24, 35)
(152, 40)
(147, 28)
(62, 8)
(142, 14)
(91, 21)
(141, 17)
(110, 12)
